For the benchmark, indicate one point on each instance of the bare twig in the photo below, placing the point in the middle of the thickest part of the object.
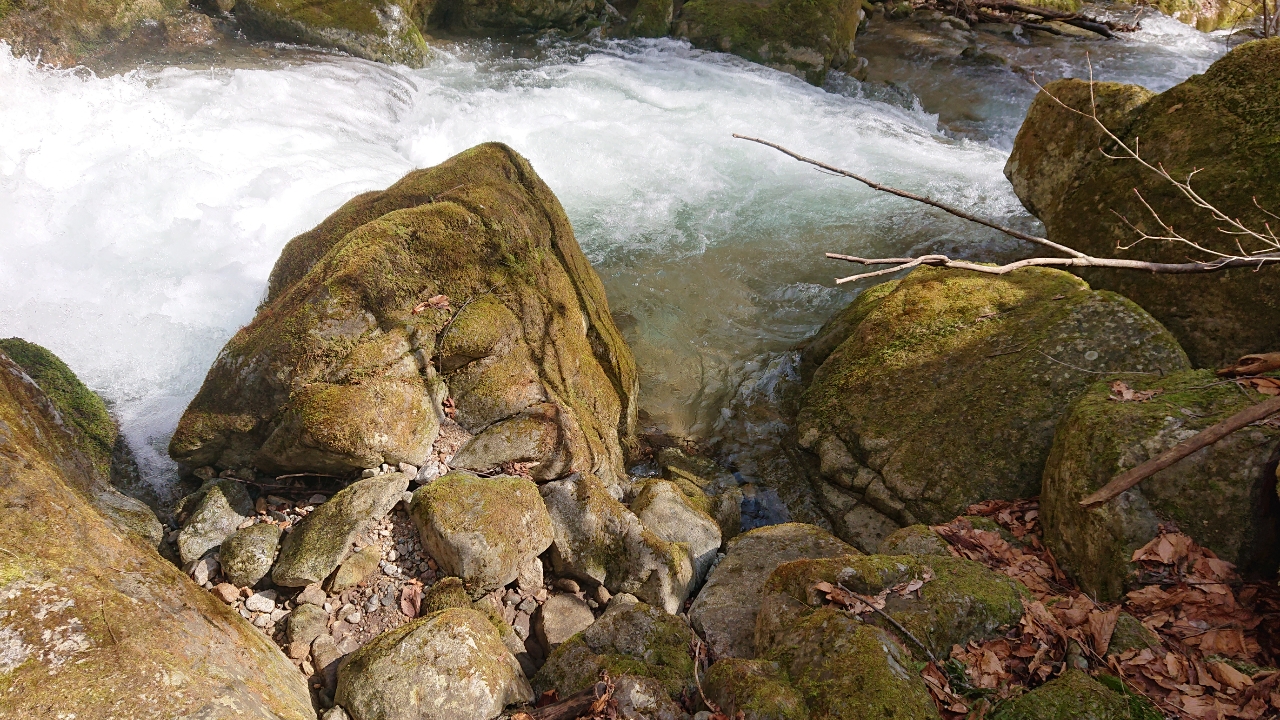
(1189, 268)
(102, 608)
(1200, 440)
(871, 604)
(699, 652)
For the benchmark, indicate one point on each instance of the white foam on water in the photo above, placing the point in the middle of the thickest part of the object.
(140, 214)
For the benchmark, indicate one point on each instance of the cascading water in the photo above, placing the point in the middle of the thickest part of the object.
(140, 214)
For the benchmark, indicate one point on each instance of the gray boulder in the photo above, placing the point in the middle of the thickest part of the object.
(322, 540)
(482, 530)
(666, 512)
(224, 505)
(560, 618)
(599, 541)
(725, 611)
(306, 623)
(247, 555)
(450, 665)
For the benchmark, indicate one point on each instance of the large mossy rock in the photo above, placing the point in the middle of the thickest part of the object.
(962, 601)
(942, 389)
(667, 512)
(338, 372)
(380, 30)
(628, 639)
(63, 32)
(759, 689)
(95, 621)
(1222, 496)
(521, 16)
(482, 530)
(1223, 124)
(725, 610)
(450, 665)
(322, 540)
(601, 542)
(85, 417)
(1208, 15)
(223, 504)
(1071, 696)
(802, 37)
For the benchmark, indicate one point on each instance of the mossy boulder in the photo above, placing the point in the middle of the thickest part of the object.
(600, 542)
(521, 16)
(725, 610)
(1222, 496)
(849, 670)
(646, 18)
(759, 689)
(93, 619)
(356, 569)
(379, 30)
(1131, 634)
(963, 601)
(306, 623)
(668, 513)
(481, 530)
(338, 371)
(946, 387)
(628, 639)
(803, 37)
(222, 506)
(66, 33)
(448, 592)
(710, 487)
(1224, 125)
(914, 540)
(1071, 696)
(322, 540)
(450, 665)
(1208, 15)
(247, 555)
(94, 434)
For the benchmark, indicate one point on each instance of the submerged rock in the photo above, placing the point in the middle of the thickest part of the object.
(450, 665)
(482, 530)
(629, 639)
(92, 618)
(942, 389)
(322, 540)
(1222, 496)
(1222, 124)
(247, 555)
(460, 282)
(725, 610)
(805, 39)
(598, 540)
(379, 30)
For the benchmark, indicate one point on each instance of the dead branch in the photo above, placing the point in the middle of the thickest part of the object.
(1200, 440)
(871, 604)
(1252, 365)
(579, 705)
(1073, 262)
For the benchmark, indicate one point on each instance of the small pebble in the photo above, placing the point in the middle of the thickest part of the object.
(372, 604)
(316, 499)
(262, 621)
(368, 473)
(263, 602)
(392, 555)
(355, 617)
(528, 605)
(226, 592)
(245, 612)
(279, 614)
(308, 669)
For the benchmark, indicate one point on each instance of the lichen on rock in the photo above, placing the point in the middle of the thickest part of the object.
(347, 365)
(1223, 125)
(942, 389)
(1218, 495)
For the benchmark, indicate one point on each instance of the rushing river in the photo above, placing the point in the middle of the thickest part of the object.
(140, 214)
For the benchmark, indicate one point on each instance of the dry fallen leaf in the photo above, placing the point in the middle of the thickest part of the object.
(410, 600)
(1121, 392)
(438, 302)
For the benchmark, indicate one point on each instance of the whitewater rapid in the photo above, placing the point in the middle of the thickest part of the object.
(140, 214)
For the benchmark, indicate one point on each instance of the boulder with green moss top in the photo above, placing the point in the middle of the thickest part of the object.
(223, 505)
(599, 541)
(347, 364)
(379, 30)
(628, 639)
(1221, 496)
(449, 665)
(942, 389)
(803, 37)
(521, 16)
(356, 568)
(725, 610)
(759, 689)
(66, 33)
(646, 18)
(849, 670)
(448, 592)
(960, 600)
(481, 529)
(306, 623)
(1071, 696)
(1131, 634)
(1208, 15)
(96, 436)
(914, 540)
(322, 540)
(93, 619)
(247, 555)
(711, 488)
(1222, 124)
(668, 513)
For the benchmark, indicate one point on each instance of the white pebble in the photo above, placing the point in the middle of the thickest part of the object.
(263, 602)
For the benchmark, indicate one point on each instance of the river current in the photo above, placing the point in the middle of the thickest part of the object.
(140, 213)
